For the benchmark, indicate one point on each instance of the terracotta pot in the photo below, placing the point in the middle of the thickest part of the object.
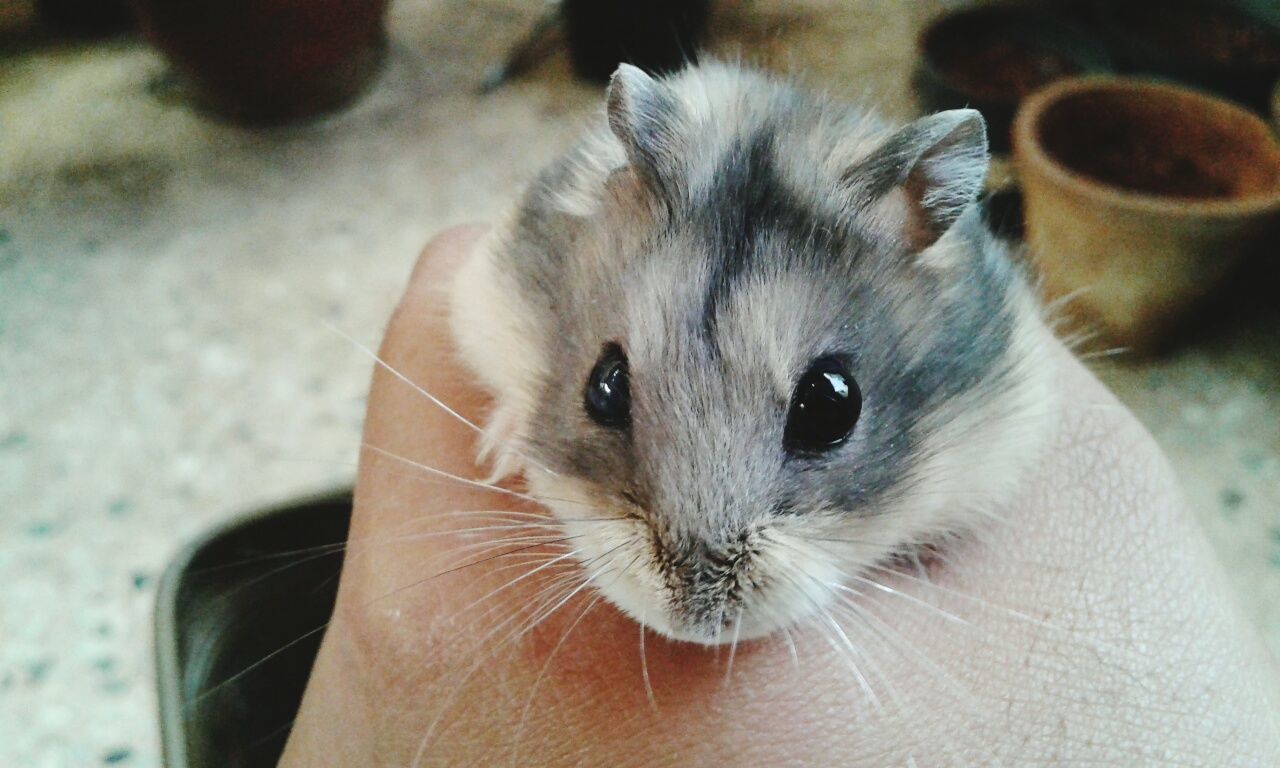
(267, 61)
(1140, 197)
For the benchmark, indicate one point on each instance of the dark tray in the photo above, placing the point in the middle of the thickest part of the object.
(239, 620)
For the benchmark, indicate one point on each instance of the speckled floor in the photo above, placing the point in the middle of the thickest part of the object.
(166, 281)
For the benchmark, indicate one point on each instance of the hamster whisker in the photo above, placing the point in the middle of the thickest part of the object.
(591, 577)
(514, 544)
(202, 695)
(558, 584)
(319, 549)
(520, 578)
(1014, 613)
(516, 513)
(377, 359)
(967, 698)
(733, 648)
(557, 523)
(644, 667)
(982, 636)
(193, 702)
(481, 654)
(898, 644)
(556, 587)
(338, 546)
(951, 617)
(537, 682)
(892, 636)
(448, 475)
(862, 618)
(840, 643)
(463, 566)
(429, 480)
(542, 611)
(847, 606)
(1088, 356)
(791, 647)
(474, 548)
(833, 540)
(895, 698)
(831, 630)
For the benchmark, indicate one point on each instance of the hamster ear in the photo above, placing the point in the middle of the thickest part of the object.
(919, 182)
(642, 114)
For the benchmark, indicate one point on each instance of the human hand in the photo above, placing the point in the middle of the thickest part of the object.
(1092, 626)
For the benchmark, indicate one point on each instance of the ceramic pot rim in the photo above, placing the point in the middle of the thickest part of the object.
(1027, 145)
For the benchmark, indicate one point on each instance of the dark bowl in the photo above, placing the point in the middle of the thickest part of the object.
(991, 58)
(266, 62)
(1230, 47)
(239, 619)
(657, 36)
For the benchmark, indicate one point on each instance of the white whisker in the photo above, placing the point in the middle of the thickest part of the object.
(422, 391)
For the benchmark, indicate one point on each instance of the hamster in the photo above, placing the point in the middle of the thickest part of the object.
(746, 342)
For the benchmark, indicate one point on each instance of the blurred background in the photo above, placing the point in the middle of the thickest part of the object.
(193, 193)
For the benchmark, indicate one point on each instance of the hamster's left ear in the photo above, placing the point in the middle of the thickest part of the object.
(923, 177)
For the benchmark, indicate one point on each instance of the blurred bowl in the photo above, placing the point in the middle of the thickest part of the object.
(1230, 47)
(269, 61)
(991, 58)
(1140, 197)
(657, 36)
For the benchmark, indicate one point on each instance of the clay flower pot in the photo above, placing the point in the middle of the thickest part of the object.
(1140, 197)
(268, 61)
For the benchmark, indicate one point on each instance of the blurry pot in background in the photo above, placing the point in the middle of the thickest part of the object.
(654, 35)
(1140, 197)
(268, 61)
(1275, 107)
(88, 17)
(991, 58)
(1231, 47)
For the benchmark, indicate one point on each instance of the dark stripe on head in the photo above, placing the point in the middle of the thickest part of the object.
(748, 202)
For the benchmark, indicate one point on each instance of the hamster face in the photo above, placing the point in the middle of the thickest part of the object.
(755, 376)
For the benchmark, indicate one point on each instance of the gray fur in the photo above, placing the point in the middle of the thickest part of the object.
(762, 191)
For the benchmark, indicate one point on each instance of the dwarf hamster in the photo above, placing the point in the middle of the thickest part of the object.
(746, 341)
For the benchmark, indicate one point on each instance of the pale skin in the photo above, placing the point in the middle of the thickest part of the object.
(1092, 626)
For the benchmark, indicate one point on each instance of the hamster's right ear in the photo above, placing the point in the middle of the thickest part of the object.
(923, 177)
(643, 114)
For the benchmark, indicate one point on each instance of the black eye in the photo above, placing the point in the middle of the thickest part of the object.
(608, 395)
(824, 408)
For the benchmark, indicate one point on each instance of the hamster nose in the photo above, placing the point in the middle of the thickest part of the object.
(706, 586)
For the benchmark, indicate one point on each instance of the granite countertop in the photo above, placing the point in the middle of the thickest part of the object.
(166, 283)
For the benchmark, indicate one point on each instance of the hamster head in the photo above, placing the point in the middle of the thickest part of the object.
(755, 344)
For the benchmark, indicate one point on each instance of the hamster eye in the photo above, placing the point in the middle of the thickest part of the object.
(824, 407)
(608, 395)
